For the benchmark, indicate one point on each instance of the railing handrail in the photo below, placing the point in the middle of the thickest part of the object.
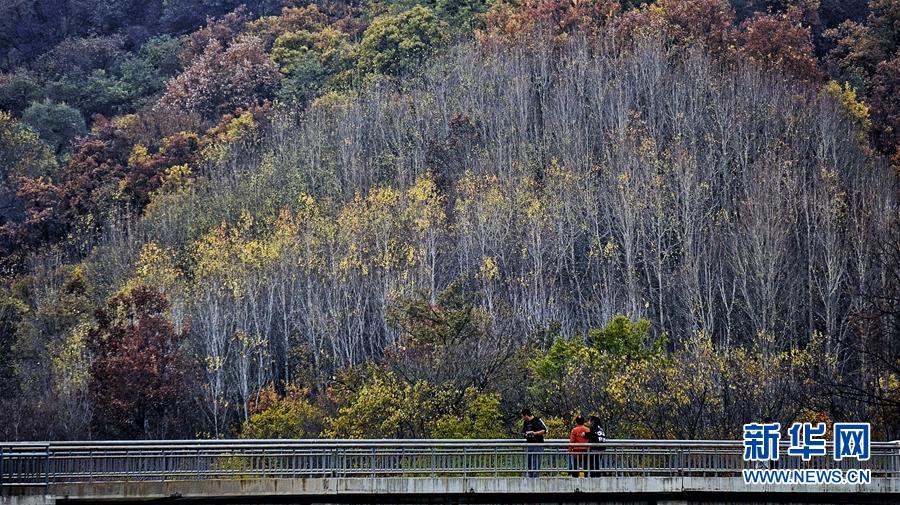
(31, 464)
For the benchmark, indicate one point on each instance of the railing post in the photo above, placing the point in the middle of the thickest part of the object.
(2, 468)
(338, 463)
(332, 468)
(47, 471)
(893, 465)
(373, 462)
(433, 463)
(496, 462)
(165, 466)
(616, 460)
(465, 462)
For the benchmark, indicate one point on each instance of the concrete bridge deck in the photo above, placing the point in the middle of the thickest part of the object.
(417, 471)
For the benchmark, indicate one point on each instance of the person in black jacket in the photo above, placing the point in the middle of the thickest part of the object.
(533, 429)
(595, 435)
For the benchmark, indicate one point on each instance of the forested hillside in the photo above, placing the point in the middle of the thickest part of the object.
(284, 218)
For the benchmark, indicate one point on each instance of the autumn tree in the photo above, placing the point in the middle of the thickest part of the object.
(709, 22)
(312, 61)
(222, 79)
(22, 152)
(291, 415)
(221, 30)
(400, 409)
(140, 375)
(87, 185)
(106, 175)
(781, 42)
(585, 375)
(398, 44)
(308, 18)
(516, 21)
(860, 47)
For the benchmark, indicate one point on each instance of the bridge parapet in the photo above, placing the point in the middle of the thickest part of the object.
(98, 470)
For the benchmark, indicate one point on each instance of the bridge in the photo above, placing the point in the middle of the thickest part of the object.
(416, 471)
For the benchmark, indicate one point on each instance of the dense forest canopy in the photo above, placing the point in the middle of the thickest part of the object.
(275, 219)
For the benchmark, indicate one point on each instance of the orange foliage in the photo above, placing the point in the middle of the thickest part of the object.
(221, 30)
(710, 22)
(292, 19)
(269, 397)
(507, 22)
(779, 41)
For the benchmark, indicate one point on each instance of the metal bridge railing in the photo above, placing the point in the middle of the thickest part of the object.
(43, 464)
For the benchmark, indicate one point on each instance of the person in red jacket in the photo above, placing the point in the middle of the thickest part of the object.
(577, 453)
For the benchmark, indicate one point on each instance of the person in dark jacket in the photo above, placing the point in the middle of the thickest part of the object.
(595, 435)
(533, 429)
